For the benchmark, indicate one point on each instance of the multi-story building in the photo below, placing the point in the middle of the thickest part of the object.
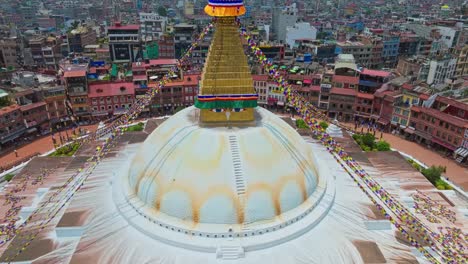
(166, 46)
(35, 117)
(110, 98)
(402, 107)
(152, 26)
(440, 122)
(341, 104)
(260, 85)
(76, 87)
(51, 53)
(371, 80)
(361, 51)
(391, 45)
(9, 53)
(461, 53)
(300, 31)
(36, 44)
(284, 17)
(55, 99)
(11, 124)
(183, 37)
(178, 93)
(363, 105)
(124, 43)
(80, 37)
(441, 68)
(409, 44)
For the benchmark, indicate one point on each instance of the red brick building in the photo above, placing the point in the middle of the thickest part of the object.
(441, 123)
(35, 117)
(110, 98)
(341, 104)
(178, 93)
(11, 124)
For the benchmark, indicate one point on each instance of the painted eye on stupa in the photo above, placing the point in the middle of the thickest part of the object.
(238, 110)
(218, 110)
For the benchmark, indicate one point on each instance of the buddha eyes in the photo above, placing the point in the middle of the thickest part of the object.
(222, 110)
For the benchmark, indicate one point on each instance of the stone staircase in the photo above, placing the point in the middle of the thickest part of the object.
(230, 252)
(237, 164)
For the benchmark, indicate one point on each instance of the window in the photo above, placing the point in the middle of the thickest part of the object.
(449, 138)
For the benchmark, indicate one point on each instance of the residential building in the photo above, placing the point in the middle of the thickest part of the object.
(36, 44)
(76, 88)
(166, 46)
(11, 124)
(109, 98)
(9, 52)
(391, 45)
(124, 43)
(441, 68)
(361, 51)
(371, 80)
(152, 26)
(55, 100)
(402, 107)
(35, 117)
(440, 122)
(260, 85)
(183, 37)
(300, 31)
(461, 53)
(341, 104)
(51, 53)
(178, 93)
(284, 17)
(80, 37)
(363, 105)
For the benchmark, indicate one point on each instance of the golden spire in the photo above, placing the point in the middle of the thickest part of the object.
(226, 88)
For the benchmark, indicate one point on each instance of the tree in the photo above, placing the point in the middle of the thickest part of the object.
(301, 124)
(433, 173)
(162, 11)
(382, 145)
(324, 125)
(368, 140)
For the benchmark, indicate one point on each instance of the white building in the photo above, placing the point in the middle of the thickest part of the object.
(283, 18)
(152, 26)
(449, 36)
(441, 68)
(301, 30)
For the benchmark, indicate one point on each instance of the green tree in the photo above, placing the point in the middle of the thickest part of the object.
(433, 173)
(368, 140)
(8, 177)
(162, 11)
(324, 125)
(382, 145)
(301, 124)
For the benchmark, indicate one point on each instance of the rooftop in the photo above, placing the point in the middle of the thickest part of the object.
(343, 91)
(111, 89)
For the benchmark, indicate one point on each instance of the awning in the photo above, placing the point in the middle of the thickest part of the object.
(307, 81)
(383, 122)
(462, 152)
(280, 103)
(31, 130)
(409, 130)
(443, 144)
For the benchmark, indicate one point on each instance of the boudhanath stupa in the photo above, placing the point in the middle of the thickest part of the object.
(223, 181)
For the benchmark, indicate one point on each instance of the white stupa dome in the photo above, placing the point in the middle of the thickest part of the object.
(222, 175)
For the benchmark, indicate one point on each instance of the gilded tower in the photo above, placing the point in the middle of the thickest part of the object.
(226, 92)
